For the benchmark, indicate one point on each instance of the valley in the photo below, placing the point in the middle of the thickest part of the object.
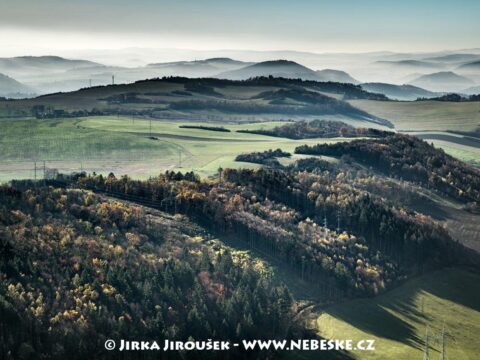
(356, 226)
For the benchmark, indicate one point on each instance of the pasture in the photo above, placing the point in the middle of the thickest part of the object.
(126, 145)
(449, 298)
(425, 115)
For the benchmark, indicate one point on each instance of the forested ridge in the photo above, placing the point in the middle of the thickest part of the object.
(77, 269)
(412, 159)
(349, 91)
(317, 129)
(322, 223)
(265, 157)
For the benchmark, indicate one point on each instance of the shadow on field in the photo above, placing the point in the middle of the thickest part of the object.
(458, 286)
(388, 315)
(376, 319)
(435, 210)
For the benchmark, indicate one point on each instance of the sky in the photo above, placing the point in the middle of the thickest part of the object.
(52, 26)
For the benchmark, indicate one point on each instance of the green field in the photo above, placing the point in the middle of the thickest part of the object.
(144, 148)
(126, 146)
(432, 117)
(425, 115)
(397, 320)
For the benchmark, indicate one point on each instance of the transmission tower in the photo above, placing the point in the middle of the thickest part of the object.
(426, 350)
(443, 338)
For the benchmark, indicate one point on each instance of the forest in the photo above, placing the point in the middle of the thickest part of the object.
(265, 157)
(77, 268)
(412, 159)
(317, 129)
(321, 223)
(349, 91)
(203, 127)
(273, 107)
(91, 256)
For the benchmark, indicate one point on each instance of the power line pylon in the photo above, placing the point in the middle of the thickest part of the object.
(426, 350)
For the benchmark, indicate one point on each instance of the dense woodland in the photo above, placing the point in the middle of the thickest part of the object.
(318, 129)
(267, 158)
(329, 107)
(322, 223)
(76, 269)
(453, 98)
(412, 159)
(202, 127)
(151, 98)
(349, 91)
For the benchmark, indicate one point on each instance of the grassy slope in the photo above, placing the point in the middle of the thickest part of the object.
(431, 117)
(122, 145)
(397, 322)
(425, 115)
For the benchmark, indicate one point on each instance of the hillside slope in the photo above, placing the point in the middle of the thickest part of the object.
(276, 68)
(336, 76)
(442, 81)
(398, 92)
(12, 88)
(203, 98)
(397, 321)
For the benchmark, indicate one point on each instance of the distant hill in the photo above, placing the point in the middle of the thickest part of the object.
(410, 64)
(276, 68)
(335, 76)
(442, 81)
(470, 66)
(217, 61)
(398, 92)
(454, 58)
(12, 88)
(209, 98)
(198, 68)
(28, 64)
(474, 90)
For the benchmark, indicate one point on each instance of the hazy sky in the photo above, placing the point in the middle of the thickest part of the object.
(50, 26)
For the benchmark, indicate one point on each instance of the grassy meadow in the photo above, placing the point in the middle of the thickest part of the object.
(425, 115)
(449, 298)
(433, 121)
(125, 145)
(143, 148)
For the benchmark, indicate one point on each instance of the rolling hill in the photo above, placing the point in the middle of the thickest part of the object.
(287, 69)
(207, 99)
(24, 65)
(419, 64)
(336, 76)
(475, 65)
(198, 68)
(454, 58)
(474, 90)
(398, 92)
(12, 88)
(276, 68)
(442, 81)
